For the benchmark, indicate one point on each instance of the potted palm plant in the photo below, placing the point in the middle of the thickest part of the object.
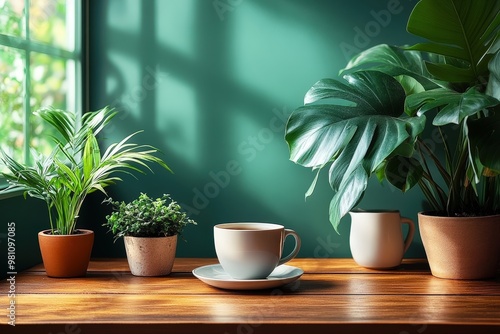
(63, 179)
(150, 228)
(395, 107)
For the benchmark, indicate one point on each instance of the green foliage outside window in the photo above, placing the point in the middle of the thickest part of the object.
(31, 78)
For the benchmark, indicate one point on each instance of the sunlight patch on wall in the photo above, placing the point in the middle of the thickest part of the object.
(176, 117)
(263, 57)
(124, 85)
(126, 16)
(175, 21)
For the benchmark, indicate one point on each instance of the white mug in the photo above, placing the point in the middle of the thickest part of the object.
(376, 238)
(252, 250)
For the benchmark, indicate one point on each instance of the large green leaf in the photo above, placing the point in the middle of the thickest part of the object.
(348, 195)
(454, 106)
(493, 87)
(356, 128)
(394, 61)
(403, 172)
(62, 121)
(484, 138)
(91, 155)
(461, 29)
(317, 132)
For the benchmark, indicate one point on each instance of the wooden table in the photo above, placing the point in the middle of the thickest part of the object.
(333, 295)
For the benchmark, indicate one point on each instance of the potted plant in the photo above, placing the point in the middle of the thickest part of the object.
(150, 228)
(63, 179)
(396, 106)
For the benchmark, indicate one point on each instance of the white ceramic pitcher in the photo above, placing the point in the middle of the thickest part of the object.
(376, 238)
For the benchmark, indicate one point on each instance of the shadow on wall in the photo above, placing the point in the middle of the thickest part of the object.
(212, 84)
(22, 226)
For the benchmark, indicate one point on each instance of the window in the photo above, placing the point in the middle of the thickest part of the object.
(40, 65)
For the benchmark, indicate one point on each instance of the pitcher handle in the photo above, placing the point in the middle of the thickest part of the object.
(295, 251)
(411, 232)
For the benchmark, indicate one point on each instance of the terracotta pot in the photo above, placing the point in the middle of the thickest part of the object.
(150, 256)
(461, 247)
(66, 255)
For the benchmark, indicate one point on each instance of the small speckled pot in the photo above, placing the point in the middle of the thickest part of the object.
(150, 256)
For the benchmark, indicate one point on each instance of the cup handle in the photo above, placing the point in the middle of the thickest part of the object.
(411, 232)
(295, 250)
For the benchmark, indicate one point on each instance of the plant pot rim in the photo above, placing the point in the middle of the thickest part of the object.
(48, 233)
(374, 211)
(434, 214)
(166, 236)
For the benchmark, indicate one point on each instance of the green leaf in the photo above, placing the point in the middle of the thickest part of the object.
(493, 87)
(62, 121)
(318, 133)
(313, 184)
(68, 177)
(403, 172)
(409, 84)
(380, 171)
(484, 136)
(460, 29)
(348, 195)
(356, 129)
(394, 61)
(454, 106)
(91, 155)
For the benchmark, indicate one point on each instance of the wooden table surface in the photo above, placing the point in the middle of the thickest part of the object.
(333, 295)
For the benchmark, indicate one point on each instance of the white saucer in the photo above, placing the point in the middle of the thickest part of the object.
(215, 276)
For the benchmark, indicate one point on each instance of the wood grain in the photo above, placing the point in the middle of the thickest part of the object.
(334, 295)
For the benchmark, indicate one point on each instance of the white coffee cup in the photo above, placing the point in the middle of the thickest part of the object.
(252, 250)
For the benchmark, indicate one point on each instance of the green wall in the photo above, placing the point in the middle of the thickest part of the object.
(212, 83)
(29, 217)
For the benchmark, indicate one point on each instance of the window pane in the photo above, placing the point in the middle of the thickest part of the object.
(12, 17)
(49, 24)
(48, 88)
(11, 102)
(31, 77)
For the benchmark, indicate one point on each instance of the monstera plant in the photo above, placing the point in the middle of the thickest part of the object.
(394, 101)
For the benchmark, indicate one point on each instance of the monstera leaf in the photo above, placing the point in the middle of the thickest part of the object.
(493, 87)
(394, 61)
(453, 106)
(465, 32)
(356, 127)
(484, 136)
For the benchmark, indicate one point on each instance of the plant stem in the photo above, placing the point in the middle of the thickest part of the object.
(437, 189)
(428, 176)
(457, 183)
(49, 206)
(429, 195)
(446, 151)
(444, 173)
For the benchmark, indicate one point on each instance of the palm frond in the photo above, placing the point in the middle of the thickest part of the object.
(75, 168)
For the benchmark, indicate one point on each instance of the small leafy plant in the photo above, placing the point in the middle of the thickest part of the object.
(147, 217)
